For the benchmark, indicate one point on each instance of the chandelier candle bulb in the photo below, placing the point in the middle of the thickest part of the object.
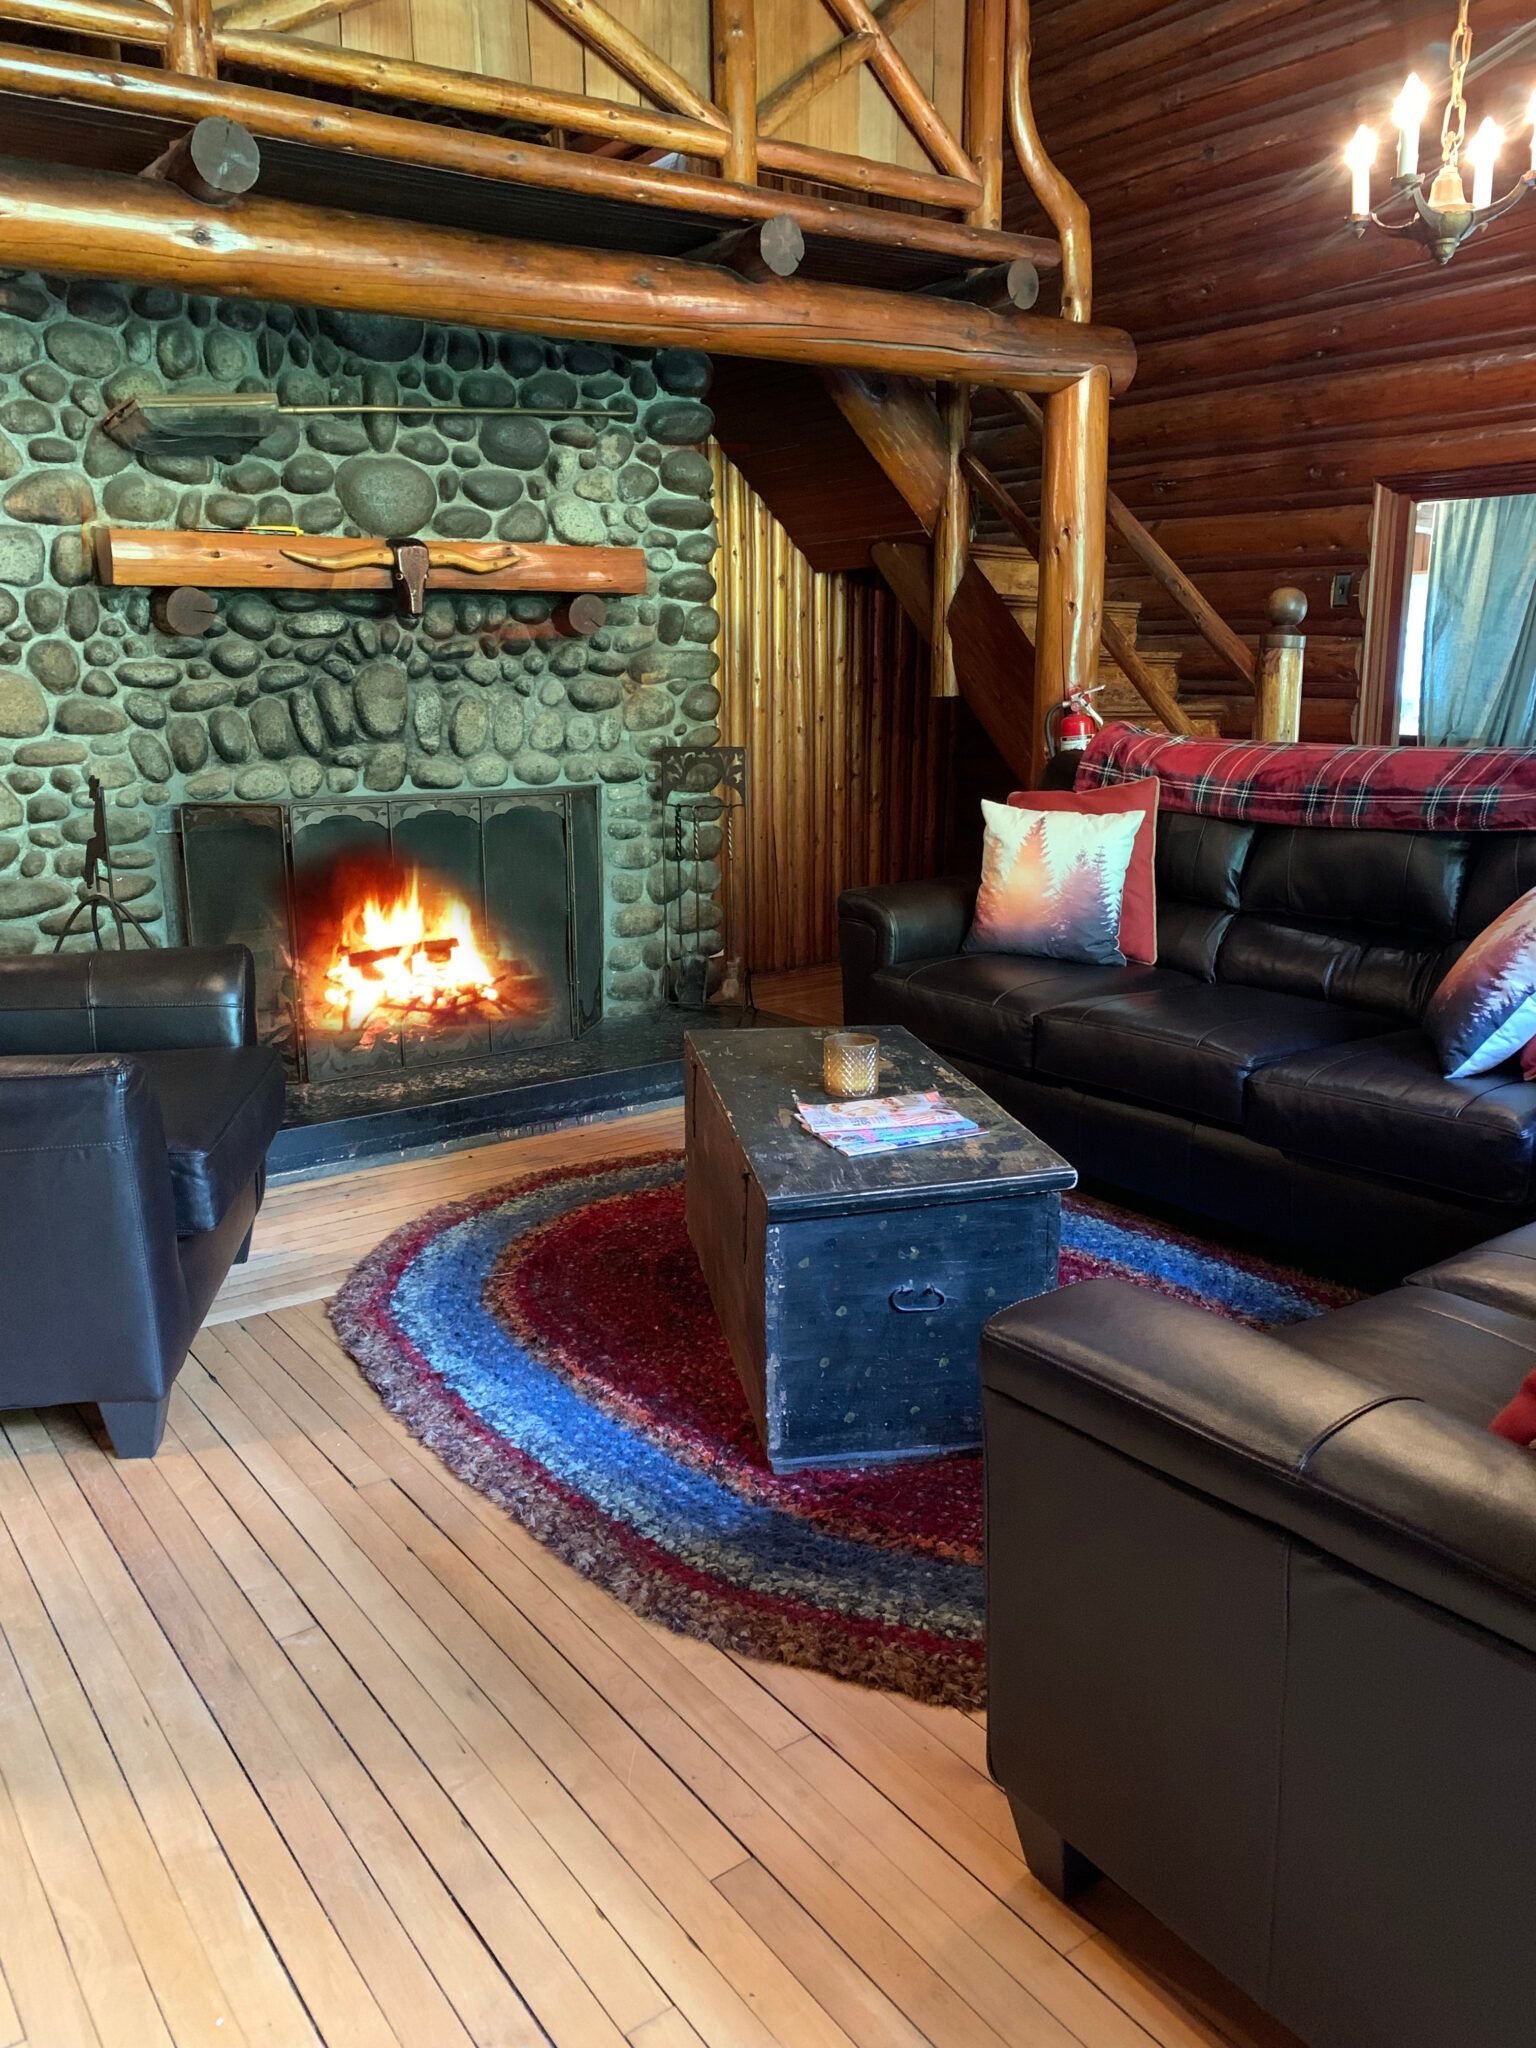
(1483, 154)
(1530, 115)
(1359, 157)
(1408, 111)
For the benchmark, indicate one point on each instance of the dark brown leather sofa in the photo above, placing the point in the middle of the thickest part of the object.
(1269, 1070)
(1261, 1617)
(135, 1114)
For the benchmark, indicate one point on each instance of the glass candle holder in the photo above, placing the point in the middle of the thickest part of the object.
(850, 1063)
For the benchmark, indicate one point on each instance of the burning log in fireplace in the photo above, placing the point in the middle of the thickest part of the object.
(417, 958)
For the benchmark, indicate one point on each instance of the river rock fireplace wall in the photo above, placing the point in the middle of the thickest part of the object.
(295, 698)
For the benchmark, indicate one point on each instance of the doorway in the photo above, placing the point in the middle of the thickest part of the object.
(1450, 655)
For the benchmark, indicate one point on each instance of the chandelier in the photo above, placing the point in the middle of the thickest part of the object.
(1442, 219)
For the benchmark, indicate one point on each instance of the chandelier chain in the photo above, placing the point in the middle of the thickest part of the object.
(1453, 132)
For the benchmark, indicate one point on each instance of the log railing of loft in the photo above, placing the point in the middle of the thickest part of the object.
(907, 269)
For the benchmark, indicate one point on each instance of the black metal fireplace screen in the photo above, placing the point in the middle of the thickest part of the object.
(406, 931)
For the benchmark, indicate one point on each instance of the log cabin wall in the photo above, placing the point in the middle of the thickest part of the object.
(1284, 367)
(825, 682)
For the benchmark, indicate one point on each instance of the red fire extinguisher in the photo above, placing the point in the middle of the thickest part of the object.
(1071, 724)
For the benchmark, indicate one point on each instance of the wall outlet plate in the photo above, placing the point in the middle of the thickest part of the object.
(1343, 590)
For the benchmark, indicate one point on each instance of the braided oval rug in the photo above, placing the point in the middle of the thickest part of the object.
(553, 1341)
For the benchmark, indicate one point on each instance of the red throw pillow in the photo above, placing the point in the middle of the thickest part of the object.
(1518, 1420)
(1138, 906)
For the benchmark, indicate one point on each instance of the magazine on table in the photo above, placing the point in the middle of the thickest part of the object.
(885, 1123)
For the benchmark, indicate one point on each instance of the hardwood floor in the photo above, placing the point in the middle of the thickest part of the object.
(306, 1742)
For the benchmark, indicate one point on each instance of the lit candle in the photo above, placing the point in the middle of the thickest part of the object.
(1483, 154)
(1408, 111)
(1359, 157)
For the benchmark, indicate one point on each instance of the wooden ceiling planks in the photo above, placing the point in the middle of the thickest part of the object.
(1285, 367)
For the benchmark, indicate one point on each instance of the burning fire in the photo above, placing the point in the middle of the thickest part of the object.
(415, 956)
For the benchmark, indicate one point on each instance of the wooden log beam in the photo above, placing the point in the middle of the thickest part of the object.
(907, 95)
(951, 540)
(1070, 615)
(899, 424)
(1063, 205)
(735, 60)
(280, 17)
(293, 118)
(868, 174)
(214, 161)
(786, 100)
(766, 250)
(999, 285)
(99, 225)
(593, 25)
(985, 62)
(127, 21)
(189, 46)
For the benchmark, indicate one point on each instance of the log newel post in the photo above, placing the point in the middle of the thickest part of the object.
(951, 539)
(1075, 482)
(735, 55)
(985, 45)
(1282, 657)
(189, 47)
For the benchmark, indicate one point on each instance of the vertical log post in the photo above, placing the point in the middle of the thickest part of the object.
(1075, 484)
(1073, 487)
(1282, 657)
(985, 33)
(189, 47)
(735, 38)
(951, 539)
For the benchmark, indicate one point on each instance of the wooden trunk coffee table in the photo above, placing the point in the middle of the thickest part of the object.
(852, 1292)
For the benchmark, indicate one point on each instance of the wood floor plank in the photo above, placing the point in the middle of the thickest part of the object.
(42, 1991)
(219, 1970)
(297, 1721)
(767, 1989)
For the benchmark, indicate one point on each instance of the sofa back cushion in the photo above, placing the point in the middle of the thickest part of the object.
(1354, 916)
(1200, 863)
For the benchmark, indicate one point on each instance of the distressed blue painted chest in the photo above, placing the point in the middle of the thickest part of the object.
(852, 1292)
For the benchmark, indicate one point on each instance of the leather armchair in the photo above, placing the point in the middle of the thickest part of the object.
(135, 1113)
(1262, 1641)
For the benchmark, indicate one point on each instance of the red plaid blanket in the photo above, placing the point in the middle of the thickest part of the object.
(1396, 789)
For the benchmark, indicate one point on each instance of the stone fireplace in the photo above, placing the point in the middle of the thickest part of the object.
(302, 707)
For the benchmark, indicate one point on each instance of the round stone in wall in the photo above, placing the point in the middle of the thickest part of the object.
(382, 337)
(514, 443)
(380, 695)
(387, 495)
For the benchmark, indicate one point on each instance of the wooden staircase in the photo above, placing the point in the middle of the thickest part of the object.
(1015, 575)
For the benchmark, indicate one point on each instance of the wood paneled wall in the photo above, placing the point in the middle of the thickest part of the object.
(1285, 367)
(825, 682)
(515, 39)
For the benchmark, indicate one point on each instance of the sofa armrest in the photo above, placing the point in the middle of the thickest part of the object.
(898, 921)
(154, 999)
(1381, 1481)
(93, 1305)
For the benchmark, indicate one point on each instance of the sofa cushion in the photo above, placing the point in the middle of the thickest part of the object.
(1462, 1356)
(1190, 1048)
(221, 1107)
(1382, 1106)
(984, 1006)
(1501, 1272)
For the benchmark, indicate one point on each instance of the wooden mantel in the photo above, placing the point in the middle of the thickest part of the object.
(236, 561)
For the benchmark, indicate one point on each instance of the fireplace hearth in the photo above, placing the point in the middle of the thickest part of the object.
(404, 933)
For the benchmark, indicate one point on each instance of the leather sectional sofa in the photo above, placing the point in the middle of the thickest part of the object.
(136, 1109)
(1261, 1615)
(1270, 1070)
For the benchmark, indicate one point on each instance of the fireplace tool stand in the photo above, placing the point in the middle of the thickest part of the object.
(703, 791)
(98, 893)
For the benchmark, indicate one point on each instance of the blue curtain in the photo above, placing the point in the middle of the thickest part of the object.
(1480, 625)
